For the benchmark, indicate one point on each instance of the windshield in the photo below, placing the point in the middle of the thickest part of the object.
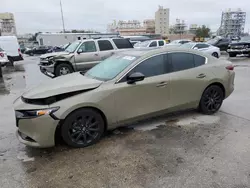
(142, 44)
(72, 47)
(187, 45)
(111, 67)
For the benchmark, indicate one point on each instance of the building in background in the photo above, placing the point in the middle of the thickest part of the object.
(193, 28)
(162, 21)
(232, 23)
(7, 24)
(149, 25)
(125, 28)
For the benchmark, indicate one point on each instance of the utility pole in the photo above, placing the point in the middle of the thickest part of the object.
(62, 16)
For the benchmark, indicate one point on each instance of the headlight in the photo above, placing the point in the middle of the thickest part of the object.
(25, 114)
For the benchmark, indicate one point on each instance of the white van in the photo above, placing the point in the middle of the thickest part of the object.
(10, 45)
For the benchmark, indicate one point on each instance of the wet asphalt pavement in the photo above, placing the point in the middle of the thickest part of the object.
(182, 150)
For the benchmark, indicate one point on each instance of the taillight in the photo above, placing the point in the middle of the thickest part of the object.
(19, 51)
(230, 67)
(1, 54)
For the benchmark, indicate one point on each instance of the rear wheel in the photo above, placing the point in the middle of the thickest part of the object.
(82, 128)
(232, 55)
(215, 54)
(11, 61)
(211, 100)
(63, 69)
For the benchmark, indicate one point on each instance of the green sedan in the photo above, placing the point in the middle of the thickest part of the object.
(129, 86)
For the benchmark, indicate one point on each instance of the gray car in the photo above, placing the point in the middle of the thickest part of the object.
(129, 86)
(81, 55)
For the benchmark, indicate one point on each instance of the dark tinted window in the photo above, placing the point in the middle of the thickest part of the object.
(199, 60)
(199, 46)
(184, 41)
(105, 45)
(153, 44)
(152, 67)
(88, 46)
(122, 43)
(161, 43)
(181, 61)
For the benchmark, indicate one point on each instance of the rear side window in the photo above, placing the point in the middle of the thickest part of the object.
(181, 61)
(105, 45)
(153, 44)
(199, 60)
(161, 43)
(122, 43)
(184, 42)
(200, 46)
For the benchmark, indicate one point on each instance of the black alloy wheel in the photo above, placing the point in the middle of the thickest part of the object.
(82, 128)
(211, 100)
(215, 54)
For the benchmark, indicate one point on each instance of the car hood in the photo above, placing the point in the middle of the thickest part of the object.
(62, 84)
(53, 54)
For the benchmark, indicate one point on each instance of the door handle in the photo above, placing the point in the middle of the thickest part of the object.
(96, 54)
(201, 76)
(162, 84)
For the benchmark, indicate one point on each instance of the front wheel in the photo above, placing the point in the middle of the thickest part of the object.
(63, 69)
(82, 128)
(211, 100)
(215, 54)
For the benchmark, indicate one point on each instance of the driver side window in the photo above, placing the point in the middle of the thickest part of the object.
(88, 46)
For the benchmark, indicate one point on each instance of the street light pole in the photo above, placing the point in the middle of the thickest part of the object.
(62, 16)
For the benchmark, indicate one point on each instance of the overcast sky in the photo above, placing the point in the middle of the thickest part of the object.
(44, 15)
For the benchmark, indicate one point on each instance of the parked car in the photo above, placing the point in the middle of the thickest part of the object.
(3, 58)
(130, 85)
(11, 47)
(179, 42)
(81, 55)
(220, 42)
(55, 49)
(150, 43)
(206, 48)
(239, 48)
(38, 50)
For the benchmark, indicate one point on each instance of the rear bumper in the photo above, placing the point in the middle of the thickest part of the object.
(17, 58)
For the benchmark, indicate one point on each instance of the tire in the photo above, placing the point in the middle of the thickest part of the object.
(215, 54)
(59, 70)
(232, 55)
(11, 62)
(82, 128)
(211, 100)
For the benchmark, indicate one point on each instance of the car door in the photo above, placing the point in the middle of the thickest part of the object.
(106, 49)
(86, 56)
(223, 44)
(144, 97)
(189, 77)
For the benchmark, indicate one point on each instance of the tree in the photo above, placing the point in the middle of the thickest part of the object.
(202, 31)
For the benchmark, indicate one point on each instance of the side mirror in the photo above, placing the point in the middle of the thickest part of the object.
(80, 51)
(195, 48)
(135, 77)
